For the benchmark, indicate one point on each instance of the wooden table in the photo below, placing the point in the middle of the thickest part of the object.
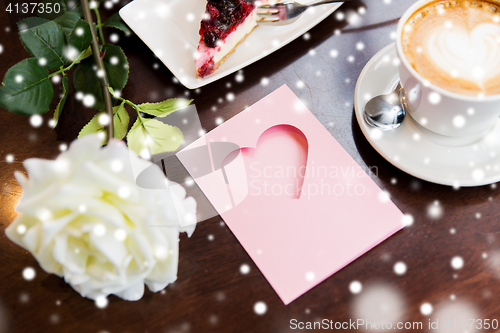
(211, 295)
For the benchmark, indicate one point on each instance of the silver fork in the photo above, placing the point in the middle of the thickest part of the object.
(282, 13)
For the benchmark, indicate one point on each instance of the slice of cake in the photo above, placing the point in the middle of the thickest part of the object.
(225, 24)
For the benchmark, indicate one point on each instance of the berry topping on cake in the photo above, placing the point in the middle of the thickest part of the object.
(225, 24)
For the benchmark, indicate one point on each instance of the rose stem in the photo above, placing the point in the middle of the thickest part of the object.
(103, 77)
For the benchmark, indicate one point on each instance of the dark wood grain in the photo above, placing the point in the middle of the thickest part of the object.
(211, 295)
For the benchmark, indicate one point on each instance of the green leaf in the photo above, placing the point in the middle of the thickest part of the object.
(120, 123)
(76, 30)
(117, 68)
(134, 138)
(26, 89)
(60, 105)
(80, 36)
(115, 21)
(84, 55)
(93, 126)
(163, 109)
(85, 76)
(44, 41)
(154, 135)
(30, 22)
(67, 21)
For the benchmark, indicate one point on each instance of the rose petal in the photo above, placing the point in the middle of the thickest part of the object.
(91, 223)
(132, 293)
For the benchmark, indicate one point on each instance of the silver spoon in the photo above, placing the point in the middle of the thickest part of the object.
(386, 112)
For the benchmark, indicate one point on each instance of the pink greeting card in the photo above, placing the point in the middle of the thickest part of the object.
(294, 198)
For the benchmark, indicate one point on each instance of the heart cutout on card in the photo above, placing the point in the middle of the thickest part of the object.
(278, 165)
(471, 55)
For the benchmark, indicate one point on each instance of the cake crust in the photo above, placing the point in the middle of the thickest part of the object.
(228, 54)
(225, 24)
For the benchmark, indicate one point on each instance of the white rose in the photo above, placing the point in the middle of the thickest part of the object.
(84, 218)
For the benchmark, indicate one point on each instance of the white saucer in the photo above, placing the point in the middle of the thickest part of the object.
(417, 151)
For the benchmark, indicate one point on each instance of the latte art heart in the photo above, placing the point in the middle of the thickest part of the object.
(472, 56)
(456, 45)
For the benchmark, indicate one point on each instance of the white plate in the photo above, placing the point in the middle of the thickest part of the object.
(417, 151)
(170, 29)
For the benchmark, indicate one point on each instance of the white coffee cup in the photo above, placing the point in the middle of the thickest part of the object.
(438, 110)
